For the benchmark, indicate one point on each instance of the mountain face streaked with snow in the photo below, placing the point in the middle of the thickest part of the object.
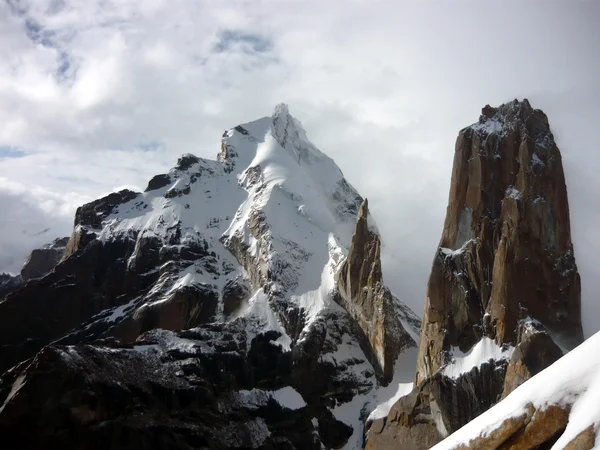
(204, 312)
(239, 303)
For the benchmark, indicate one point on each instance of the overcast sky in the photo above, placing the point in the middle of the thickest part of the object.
(100, 95)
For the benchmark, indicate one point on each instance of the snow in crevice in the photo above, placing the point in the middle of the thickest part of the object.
(401, 384)
(459, 251)
(488, 126)
(536, 161)
(484, 351)
(513, 193)
(287, 397)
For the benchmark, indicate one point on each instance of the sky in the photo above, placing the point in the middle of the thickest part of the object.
(99, 95)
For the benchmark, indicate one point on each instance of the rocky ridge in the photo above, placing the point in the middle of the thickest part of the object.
(238, 258)
(39, 263)
(503, 297)
(371, 304)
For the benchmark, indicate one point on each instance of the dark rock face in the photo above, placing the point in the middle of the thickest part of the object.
(157, 182)
(9, 283)
(161, 393)
(505, 270)
(370, 303)
(43, 260)
(258, 355)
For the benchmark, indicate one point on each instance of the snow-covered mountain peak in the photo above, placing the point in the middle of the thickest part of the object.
(251, 244)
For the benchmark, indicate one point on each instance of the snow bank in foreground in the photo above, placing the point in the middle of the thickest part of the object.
(572, 380)
(481, 353)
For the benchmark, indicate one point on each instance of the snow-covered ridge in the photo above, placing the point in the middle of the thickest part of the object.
(273, 217)
(267, 175)
(484, 351)
(573, 381)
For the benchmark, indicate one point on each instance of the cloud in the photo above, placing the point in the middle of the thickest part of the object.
(32, 216)
(98, 94)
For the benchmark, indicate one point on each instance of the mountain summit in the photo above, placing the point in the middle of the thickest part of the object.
(503, 298)
(205, 312)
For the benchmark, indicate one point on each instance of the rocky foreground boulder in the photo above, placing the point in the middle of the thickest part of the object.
(557, 408)
(503, 297)
(207, 311)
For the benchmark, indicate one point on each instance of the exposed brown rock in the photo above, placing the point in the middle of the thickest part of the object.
(537, 428)
(369, 302)
(535, 352)
(500, 435)
(544, 425)
(586, 440)
(505, 269)
(508, 211)
(409, 424)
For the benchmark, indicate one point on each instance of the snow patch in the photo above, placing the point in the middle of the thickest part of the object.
(536, 161)
(449, 252)
(482, 352)
(512, 192)
(262, 315)
(489, 126)
(287, 397)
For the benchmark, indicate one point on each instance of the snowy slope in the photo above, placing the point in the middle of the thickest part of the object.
(272, 213)
(573, 381)
(266, 171)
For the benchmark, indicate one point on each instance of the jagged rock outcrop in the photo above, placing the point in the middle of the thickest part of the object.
(368, 300)
(9, 283)
(43, 260)
(504, 291)
(237, 256)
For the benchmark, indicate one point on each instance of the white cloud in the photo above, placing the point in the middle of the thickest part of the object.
(100, 94)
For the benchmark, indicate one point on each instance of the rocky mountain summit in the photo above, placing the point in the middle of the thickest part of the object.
(503, 297)
(239, 303)
(236, 303)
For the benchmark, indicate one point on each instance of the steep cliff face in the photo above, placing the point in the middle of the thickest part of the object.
(503, 296)
(239, 257)
(506, 254)
(370, 303)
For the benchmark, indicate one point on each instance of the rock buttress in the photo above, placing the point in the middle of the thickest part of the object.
(371, 304)
(505, 270)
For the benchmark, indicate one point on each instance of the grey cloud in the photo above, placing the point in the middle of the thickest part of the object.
(381, 87)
